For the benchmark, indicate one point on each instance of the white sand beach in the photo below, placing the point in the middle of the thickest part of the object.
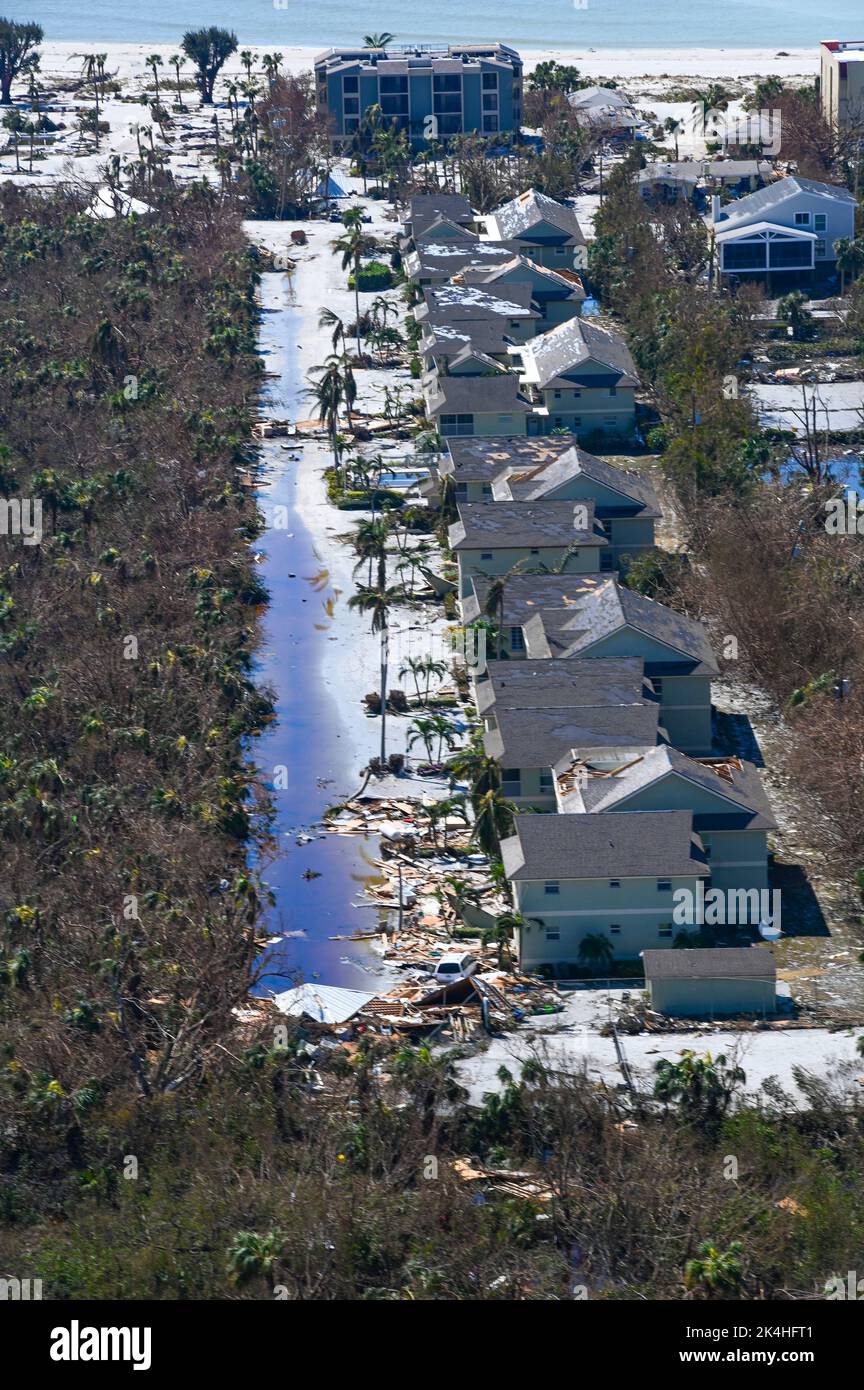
(699, 64)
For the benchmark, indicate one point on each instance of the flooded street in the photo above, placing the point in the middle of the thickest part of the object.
(308, 756)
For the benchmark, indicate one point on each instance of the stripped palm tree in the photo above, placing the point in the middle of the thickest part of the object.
(378, 602)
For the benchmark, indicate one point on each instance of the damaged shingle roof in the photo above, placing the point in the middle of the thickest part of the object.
(575, 681)
(520, 215)
(517, 525)
(542, 737)
(563, 350)
(609, 607)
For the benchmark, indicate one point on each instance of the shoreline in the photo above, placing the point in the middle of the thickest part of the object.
(126, 60)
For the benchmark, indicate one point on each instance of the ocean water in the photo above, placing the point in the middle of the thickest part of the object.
(576, 24)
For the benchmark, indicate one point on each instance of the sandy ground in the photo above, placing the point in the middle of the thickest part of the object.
(570, 1041)
(652, 77)
(700, 64)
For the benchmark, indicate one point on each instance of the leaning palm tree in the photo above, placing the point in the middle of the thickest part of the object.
(493, 821)
(473, 765)
(328, 392)
(378, 602)
(328, 318)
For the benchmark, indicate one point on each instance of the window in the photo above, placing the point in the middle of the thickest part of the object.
(490, 81)
(511, 781)
(547, 784)
(352, 106)
(515, 323)
(802, 219)
(614, 883)
(517, 639)
(535, 550)
(490, 124)
(664, 885)
(553, 934)
(658, 685)
(457, 424)
(558, 422)
(490, 101)
(820, 222)
(487, 491)
(485, 554)
(551, 887)
(820, 249)
(607, 560)
(664, 929)
(557, 395)
(615, 929)
(350, 84)
(461, 492)
(351, 124)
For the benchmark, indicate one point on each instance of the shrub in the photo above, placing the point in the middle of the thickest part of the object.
(375, 275)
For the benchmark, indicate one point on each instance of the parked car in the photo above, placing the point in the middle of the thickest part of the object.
(455, 966)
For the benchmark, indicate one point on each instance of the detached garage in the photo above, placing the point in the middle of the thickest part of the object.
(711, 983)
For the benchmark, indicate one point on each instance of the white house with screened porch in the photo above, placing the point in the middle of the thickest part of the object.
(788, 229)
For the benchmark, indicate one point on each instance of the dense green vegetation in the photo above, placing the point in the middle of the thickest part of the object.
(126, 909)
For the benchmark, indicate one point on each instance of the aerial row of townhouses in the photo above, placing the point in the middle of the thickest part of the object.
(596, 701)
(780, 229)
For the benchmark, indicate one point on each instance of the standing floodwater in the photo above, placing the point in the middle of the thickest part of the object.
(307, 750)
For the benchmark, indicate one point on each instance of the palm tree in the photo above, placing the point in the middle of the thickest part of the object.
(154, 63)
(701, 1087)
(432, 667)
(14, 122)
(378, 40)
(270, 63)
(335, 386)
(351, 246)
(422, 731)
(378, 602)
(595, 952)
(247, 59)
(414, 666)
(850, 258)
(370, 544)
(208, 49)
(493, 607)
(493, 821)
(715, 1273)
(254, 1256)
(502, 934)
(443, 729)
(177, 62)
(328, 318)
(473, 765)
